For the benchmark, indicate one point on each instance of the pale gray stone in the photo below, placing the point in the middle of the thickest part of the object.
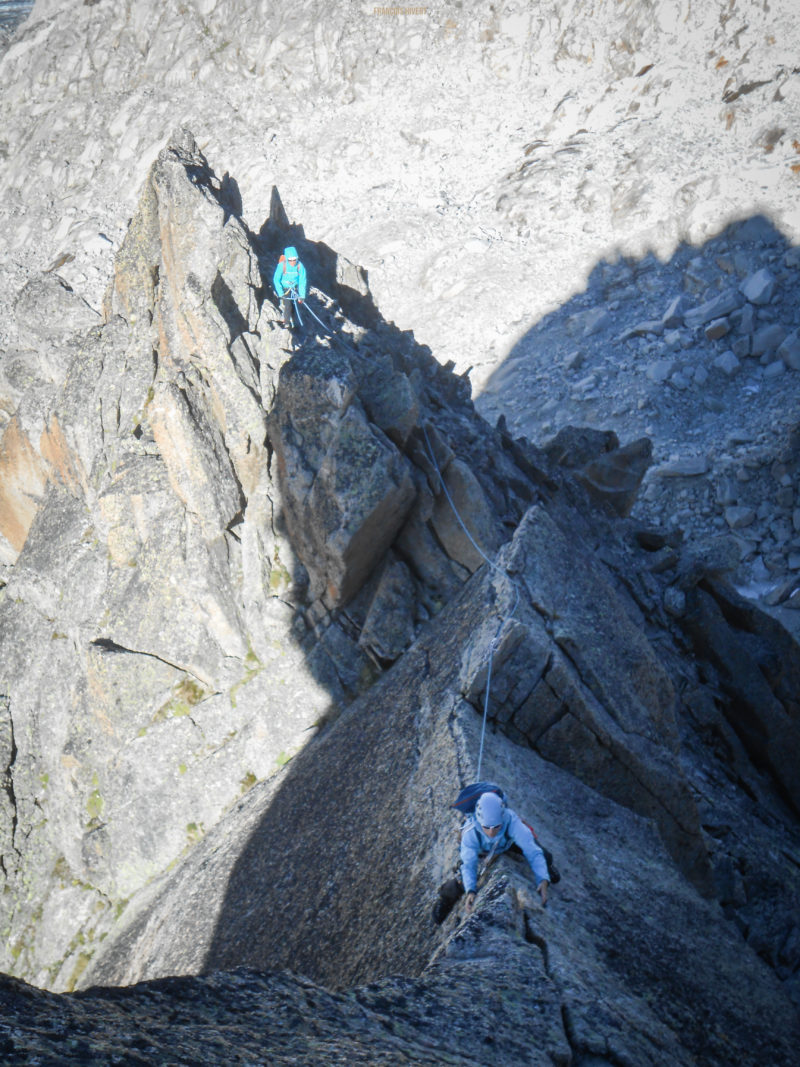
(683, 467)
(675, 601)
(774, 370)
(726, 491)
(767, 338)
(785, 496)
(717, 329)
(574, 361)
(716, 308)
(759, 288)
(741, 346)
(642, 329)
(789, 350)
(661, 370)
(727, 363)
(674, 314)
(590, 322)
(48, 310)
(744, 319)
(739, 516)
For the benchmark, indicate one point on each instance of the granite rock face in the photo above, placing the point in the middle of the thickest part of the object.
(140, 623)
(247, 645)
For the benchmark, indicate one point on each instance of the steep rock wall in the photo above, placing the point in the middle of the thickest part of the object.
(218, 576)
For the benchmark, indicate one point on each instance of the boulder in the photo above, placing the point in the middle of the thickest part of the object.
(789, 350)
(716, 308)
(616, 477)
(660, 370)
(767, 339)
(574, 446)
(683, 467)
(589, 322)
(610, 473)
(738, 516)
(759, 288)
(388, 627)
(716, 329)
(389, 400)
(674, 314)
(727, 363)
(346, 489)
(465, 544)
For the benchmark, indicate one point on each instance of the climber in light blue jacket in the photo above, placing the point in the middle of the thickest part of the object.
(290, 282)
(493, 829)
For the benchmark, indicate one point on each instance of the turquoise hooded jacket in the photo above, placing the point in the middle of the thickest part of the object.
(290, 276)
(475, 842)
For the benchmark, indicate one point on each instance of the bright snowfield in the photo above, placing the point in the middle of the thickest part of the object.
(480, 160)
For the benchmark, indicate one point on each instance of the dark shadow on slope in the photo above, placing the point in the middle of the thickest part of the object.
(619, 357)
(700, 354)
(230, 197)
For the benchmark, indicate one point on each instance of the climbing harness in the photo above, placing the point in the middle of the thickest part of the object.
(495, 567)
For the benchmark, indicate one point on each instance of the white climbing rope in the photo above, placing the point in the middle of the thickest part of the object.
(296, 301)
(495, 567)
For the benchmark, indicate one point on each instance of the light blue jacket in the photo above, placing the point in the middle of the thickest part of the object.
(474, 842)
(288, 276)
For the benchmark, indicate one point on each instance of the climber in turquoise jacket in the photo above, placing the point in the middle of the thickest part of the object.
(290, 282)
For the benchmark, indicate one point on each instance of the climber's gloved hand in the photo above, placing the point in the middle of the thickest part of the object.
(542, 890)
(470, 902)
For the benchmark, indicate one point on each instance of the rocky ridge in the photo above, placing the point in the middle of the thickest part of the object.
(643, 131)
(247, 543)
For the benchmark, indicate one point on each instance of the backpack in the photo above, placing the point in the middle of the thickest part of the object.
(468, 797)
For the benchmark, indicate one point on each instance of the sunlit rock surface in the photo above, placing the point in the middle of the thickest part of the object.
(245, 640)
(242, 692)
